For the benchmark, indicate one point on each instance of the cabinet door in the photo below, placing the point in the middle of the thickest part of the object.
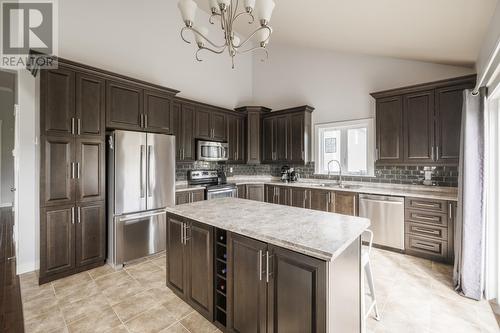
(448, 123)
(320, 200)
(270, 193)
(246, 285)
(389, 130)
(298, 197)
(188, 150)
(124, 106)
(202, 121)
(346, 203)
(240, 135)
(176, 128)
(283, 195)
(182, 198)
(242, 192)
(200, 286)
(57, 186)
(419, 127)
(268, 148)
(296, 297)
(57, 240)
(296, 152)
(253, 137)
(158, 111)
(176, 256)
(198, 196)
(90, 233)
(90, 171)
(57, 100)
(281, 139)
(90, 105)
(232, 138)
(255, 192)
(218, 124)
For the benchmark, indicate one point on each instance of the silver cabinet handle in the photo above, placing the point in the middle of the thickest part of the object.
(73, 126)
(148, 185)
(427, 231)
(437, 153)
(432, 153)
(79, 218)
(79, 127)
(72, 166)
(424, 246)
(145, 120)
(78, 170)
(435, 219)
(267, 266)
(450, 213)
(142, 173)
(72, 215)
(182, 233)
(186, 238)
(260, 265)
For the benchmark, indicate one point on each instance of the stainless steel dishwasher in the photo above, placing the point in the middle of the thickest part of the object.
(387, 215)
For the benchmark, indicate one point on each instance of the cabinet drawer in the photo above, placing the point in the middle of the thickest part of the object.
(426, 248)
(426, 230)
(426, 204)
(426, 217)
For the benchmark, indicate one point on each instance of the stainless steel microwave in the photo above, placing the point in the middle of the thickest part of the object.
(212, 151)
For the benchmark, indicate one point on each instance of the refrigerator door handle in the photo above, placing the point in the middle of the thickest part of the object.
(150, 174)
(143, 175)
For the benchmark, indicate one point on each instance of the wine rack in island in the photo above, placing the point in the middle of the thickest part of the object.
(220, 277)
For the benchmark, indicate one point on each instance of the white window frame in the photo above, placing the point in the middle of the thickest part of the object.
(319, 129)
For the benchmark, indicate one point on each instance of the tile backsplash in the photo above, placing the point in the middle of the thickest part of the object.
(442, 175)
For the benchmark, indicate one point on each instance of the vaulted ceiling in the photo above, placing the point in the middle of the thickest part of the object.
(441, 31)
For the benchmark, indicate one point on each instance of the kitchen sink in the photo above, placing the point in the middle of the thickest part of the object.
(343, 186)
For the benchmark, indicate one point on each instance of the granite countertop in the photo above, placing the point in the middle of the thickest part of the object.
(414, 191)
(317, 234)
(184, 187)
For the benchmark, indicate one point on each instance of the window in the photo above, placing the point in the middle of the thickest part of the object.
(351, 143)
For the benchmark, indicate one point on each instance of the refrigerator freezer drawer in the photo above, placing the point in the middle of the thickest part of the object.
(139, 235)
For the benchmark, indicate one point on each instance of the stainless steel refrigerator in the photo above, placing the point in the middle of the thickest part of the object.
(141, 184)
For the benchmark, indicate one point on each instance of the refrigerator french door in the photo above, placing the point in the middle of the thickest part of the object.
(141, 180)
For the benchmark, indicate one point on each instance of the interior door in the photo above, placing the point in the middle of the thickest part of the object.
(160, 155)
(90, 233)
(130, 150)
(247, 285)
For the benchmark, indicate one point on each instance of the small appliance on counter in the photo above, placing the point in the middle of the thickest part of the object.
(289, 175)
(215, 183)
(428, 172)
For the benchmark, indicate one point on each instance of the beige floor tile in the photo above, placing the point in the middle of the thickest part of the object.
(155, 279)
(134, 306)
(160, 262)
(118, 329)
(38, 306)
(76, 293)
(36, 292)
(151, 321)
(177, 307)
(70, 282)
(143, 270)
(84, 308)
(176, 328)
(28, 279)
(46, 322)
(119, 293)
(95, 322)
(101, 271)
(196, 323)
(113, 279)
(158, 255)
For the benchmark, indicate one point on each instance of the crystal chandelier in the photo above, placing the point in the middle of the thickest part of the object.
(227, 12)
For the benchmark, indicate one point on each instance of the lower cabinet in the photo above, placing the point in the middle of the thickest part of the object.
(185, 197)
(346, 203)
(277, 195)
(321, 200)
(72, 239)
(190, 263)
(255, 192)
(271, 289)
(298, 197)
(242, 191)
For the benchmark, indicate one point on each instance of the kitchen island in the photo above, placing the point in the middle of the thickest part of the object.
(257, 267)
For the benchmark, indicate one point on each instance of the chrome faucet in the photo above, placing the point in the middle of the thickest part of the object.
(340, 172)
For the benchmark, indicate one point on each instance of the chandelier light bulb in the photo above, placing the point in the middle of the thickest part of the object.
(249, 5)
(188, 11)
(236, 41)
(263, 37)
(214, 6)
(225, 3)
(264, 10)
(200, 40)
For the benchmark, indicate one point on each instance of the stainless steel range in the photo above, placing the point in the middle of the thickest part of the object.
(215, 183)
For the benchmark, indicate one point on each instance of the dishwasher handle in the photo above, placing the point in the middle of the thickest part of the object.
(382, 199)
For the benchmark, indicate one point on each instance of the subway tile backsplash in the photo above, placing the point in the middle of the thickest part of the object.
(442, 175)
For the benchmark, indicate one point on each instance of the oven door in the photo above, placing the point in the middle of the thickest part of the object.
(212, 151)
(223, 193)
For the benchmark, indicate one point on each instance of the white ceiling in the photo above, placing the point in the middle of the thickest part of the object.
(442, 31)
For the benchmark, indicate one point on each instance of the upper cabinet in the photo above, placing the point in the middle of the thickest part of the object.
(183, 115)
(158, 112)
(286, 136)
(210, 124)
(421, 125)
(236, 138)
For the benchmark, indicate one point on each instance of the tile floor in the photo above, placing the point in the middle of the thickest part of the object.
(414, 295)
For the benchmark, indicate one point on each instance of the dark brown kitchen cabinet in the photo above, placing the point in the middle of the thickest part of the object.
(190, 258)
(185, 197)
(346, 203)
(275, 134)
(90, 105)
(184, 118)
(277, 195)
(57, 183)
(210, 125)
(449, 103)
(389, 130)
(255, 192)
(286, 295)
(298, 197)
(124, 106)
(57, 100)
(268, 140)
(321, 200)
(158, 112)
(254, 132)
(90, 183)
(90, 233)
(420, 125)
(296, 146)
(418, 129)
(57, 240)
(236, 139)
(242, 191)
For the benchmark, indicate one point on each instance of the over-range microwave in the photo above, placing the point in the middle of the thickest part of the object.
(212, 151)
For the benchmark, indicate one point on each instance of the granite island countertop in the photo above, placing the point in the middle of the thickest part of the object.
(317, 234)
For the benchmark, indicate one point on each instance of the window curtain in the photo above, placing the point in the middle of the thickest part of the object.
(468, 275)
